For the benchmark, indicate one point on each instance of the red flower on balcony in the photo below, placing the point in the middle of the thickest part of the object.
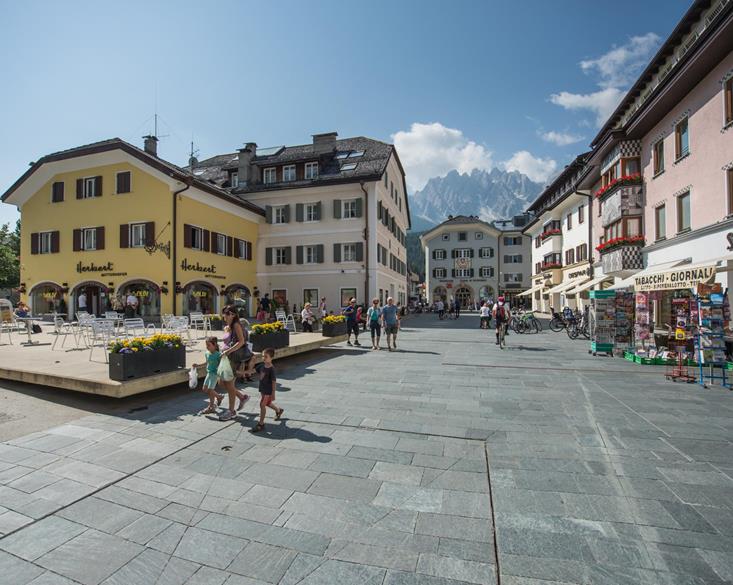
(552, 232)
(550, 265)
(618, 242)
(634, 179)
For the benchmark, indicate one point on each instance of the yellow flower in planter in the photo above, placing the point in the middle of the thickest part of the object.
(334, 319)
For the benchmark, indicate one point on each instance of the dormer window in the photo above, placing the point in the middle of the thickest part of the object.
(234, 180)
(311, 170)
(269, 175)
(289, 173)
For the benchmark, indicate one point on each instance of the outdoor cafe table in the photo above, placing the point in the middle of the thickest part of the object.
(29, 328)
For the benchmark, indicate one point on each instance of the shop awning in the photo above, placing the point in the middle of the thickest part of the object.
(684, 276)
(661, 267)
(564, 286)
(591, 283)
(575, 285)
(532, 290)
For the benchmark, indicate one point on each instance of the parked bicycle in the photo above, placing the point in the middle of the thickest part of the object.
(526, 323)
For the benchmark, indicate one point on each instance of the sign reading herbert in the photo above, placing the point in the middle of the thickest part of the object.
(185, 265)
(92, 267)
(679, 278)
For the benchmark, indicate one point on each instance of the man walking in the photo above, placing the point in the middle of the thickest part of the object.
(458, 308)
(352, 325)
(391, 320)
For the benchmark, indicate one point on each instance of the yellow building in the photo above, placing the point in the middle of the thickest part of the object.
(108, 220)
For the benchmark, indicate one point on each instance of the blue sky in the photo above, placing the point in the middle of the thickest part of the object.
(467, 84)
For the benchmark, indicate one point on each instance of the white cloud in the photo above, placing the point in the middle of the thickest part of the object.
(537, 169)
(601, 103)
(560, 138)
(616, 70)
(621, 65)
(433, 150)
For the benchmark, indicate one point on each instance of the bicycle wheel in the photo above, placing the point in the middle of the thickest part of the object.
(533, 326)
(537, 324)
(572, 331)
(556, 325)
(519, 326)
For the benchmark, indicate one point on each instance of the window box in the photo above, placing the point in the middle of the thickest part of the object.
(550, 265)
(619, 242)
(550, 233)
(139, 364)
(624, 181)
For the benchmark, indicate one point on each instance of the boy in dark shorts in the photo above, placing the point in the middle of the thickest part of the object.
(268, 381)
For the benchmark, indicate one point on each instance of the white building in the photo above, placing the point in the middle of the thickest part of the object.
(467, 259)
(336, 217)
(515, 259)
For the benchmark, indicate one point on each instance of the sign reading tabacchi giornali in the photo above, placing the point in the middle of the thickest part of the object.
(678, 278)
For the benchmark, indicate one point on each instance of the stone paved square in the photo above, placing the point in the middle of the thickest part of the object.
(599, 470)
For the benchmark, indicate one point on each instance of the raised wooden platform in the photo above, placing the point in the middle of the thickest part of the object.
(70, 369)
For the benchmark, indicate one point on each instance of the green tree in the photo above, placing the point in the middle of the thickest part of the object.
(10, 256)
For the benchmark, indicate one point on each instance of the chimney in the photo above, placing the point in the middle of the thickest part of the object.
(151, 145)
(246, 172)
(323, 143)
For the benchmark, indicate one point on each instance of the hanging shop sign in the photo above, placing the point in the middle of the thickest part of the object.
(159, 247)
(186, 265)
(680, 278)
(92, 267)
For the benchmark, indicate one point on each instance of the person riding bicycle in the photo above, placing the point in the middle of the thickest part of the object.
(501, 313)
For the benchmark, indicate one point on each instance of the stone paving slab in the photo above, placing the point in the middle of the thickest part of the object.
(600, 472)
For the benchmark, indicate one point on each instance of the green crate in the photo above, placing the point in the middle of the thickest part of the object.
(645, 361)
(729, 365)
(629, 356)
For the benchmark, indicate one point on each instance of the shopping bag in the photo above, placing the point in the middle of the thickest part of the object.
(193, 378)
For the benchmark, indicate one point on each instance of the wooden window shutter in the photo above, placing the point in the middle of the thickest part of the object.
(359, 207)
(98, 186)
(268, 213)
(319, 253)
(379, 210)
(187, 236)
(214, 243)
(206, 240)
(337, 208)
(337, 252)
(288, 255)
(149, 233)
(268, 256)
(100, 238)
(286, 213)
(125, 235)
(248, 250)
(57, 193)
(77, 240)
(80, 188)
(230, 246)
(55, 237)
(318, 211)
(453, 272)
(34, 243)
(299, 254)
(123, 182)
(235, 246)
(359, 251)
(470, 253)
(298, 212)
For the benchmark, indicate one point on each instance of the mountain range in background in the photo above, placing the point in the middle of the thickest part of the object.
(494, 194)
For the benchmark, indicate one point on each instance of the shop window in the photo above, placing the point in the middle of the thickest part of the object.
(310, 295)
(658, 156)
(137, 235)
(47, 298)
(238, 296)
(682, 139)
(199, 297)
(347, 294)
(660, 222)
(147, 295)
(280, 297)
(683, 212)
(269, 175)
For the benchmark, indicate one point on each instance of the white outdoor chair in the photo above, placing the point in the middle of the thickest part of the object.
(287, 320)
(198, 321)
(82, 325)
(178, 326)
(63, 329)
(111, 315)
(101, 333)
(136, 327)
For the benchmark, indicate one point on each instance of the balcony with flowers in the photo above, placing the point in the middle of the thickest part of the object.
(619, 242)
(621, 256)
(613, 185)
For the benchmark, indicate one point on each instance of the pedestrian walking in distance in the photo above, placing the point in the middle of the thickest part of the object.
(268, 381)
(352, 325)
(391, 320)
(374, 315)
(485, 316)
(306, 318)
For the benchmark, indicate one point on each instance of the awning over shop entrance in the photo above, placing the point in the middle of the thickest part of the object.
(565, 286)
(532, 290)
(684, 276)
(661, 267)
(591, 283)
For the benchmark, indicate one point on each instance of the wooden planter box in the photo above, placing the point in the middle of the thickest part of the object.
(274, 340)
(333, 329)
(129, 366)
